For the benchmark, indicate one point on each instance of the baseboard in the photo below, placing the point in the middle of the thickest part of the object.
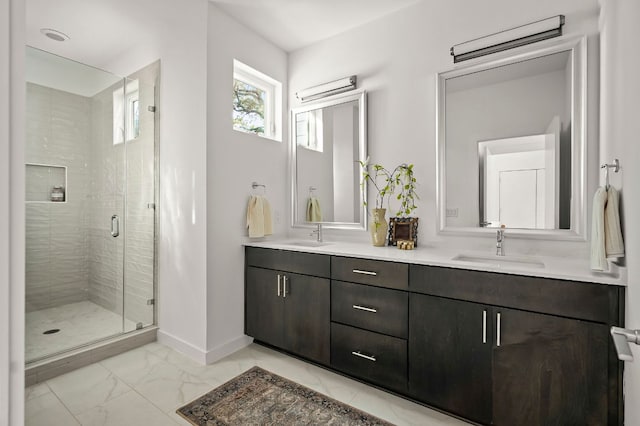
(183, 347)
(227, 348)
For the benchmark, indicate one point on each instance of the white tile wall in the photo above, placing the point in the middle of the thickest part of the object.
(71, 255)
(56, 237)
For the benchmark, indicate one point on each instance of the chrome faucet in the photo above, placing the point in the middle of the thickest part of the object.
(499, 241)
(318, 232)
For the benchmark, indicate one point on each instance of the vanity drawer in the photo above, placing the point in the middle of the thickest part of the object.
(318, 265)
(371, 356)
(373, 272)
(588, 301)
(372, 308)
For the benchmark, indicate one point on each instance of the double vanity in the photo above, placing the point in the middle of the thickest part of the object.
(523, 343)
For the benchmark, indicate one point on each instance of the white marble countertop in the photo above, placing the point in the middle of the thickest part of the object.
(547, 267)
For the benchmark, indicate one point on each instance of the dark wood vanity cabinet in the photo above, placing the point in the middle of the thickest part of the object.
(286, 309)
(496, 349)
(450, 356)
(369, 326)
(497, 364)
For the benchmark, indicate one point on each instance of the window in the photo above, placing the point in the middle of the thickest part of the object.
(257, 102)
(126, 105)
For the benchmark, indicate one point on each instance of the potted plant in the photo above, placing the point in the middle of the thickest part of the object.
(386, 183)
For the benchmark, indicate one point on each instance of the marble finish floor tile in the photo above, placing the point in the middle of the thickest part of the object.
(79, 323)
(146, 386)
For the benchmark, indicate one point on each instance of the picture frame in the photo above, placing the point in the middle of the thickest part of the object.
(402, 229)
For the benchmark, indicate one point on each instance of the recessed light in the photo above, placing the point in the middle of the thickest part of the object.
(54, 34)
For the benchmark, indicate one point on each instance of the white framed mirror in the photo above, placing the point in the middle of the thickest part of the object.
(328, 139)
(512, 143)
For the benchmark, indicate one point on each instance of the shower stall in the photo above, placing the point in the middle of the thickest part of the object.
(91, 189)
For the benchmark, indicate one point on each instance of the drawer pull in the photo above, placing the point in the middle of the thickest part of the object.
(360, 271)
(364, 308)
(279, 285)
(361, 355)
(498, 329)
(484, 326)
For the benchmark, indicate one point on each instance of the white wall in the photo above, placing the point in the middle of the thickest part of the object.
(176, 33)
(234, 160)
(12, 107)
(397, 59)
(620, 131)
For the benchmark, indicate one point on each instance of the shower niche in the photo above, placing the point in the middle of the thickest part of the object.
(90, 197)
(45, 183)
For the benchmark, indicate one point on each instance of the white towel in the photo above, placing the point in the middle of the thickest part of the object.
(259, 217)
(598, 252)
(314, 213)
(613, 243)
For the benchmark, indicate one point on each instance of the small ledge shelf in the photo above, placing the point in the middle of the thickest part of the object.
(40, 180)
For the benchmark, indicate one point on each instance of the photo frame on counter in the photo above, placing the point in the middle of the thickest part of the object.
(403, 229)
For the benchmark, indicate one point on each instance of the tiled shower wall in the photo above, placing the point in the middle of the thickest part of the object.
(58, 130)
(71, 255)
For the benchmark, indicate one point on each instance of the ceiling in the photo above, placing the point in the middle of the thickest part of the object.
(100, 30)
(293, 24)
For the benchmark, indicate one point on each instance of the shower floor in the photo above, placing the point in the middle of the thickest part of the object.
(79, 323)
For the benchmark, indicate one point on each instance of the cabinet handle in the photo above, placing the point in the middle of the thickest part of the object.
(115, 225)
(278, 285)
(498, 329)
(359, 271)
(361, 355)
(284, 286)
(364, 308)
(484, 326)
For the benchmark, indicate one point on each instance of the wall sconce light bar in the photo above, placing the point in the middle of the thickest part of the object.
(327, 89)
(508, 39)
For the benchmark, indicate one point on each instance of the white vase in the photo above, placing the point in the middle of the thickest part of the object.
(379, 228)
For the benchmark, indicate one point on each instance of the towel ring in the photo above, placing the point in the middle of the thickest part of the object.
(256, 185)
(615, 166)
(312, 190)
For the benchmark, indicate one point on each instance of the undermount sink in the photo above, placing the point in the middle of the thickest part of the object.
(309, 243)
(501, 261)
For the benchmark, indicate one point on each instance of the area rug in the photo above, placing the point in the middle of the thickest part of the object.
(258, 397)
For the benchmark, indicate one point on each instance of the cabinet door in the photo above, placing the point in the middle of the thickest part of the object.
(450, 355)
(306, 319)
(264, 310)
(549, 370)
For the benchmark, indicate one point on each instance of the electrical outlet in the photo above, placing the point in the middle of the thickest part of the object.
(277, 217)
(452, 212)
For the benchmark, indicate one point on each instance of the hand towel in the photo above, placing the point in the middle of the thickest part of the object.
(598, 252)
(259, 217)
(314, 213)
(613, 243)
(266, 214)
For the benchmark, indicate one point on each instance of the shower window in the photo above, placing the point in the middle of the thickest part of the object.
(126, 112)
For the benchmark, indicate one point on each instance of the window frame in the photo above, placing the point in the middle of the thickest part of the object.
(273, 99)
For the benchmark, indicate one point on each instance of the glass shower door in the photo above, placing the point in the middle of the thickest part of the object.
(140, 212)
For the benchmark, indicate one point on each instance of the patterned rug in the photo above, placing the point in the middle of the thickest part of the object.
(258, 397)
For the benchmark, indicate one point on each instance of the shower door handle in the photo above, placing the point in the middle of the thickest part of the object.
(115, 225)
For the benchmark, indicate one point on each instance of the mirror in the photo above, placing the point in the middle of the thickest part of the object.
(511, 143)
(328, 138)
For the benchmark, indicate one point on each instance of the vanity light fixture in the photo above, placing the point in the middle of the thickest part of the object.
(508, 39)
(327, 89)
